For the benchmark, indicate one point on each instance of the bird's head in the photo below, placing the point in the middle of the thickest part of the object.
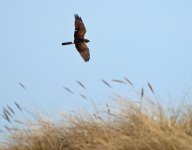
(86, 40)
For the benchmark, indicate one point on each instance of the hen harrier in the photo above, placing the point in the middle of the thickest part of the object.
(79, 40)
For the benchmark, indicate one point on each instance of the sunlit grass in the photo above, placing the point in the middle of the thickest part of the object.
(122, 125)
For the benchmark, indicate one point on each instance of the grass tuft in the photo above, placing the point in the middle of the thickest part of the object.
(128, 125)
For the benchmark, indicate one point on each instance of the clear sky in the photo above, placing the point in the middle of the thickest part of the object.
(144, 40)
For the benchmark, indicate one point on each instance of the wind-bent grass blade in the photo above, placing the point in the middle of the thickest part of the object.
(106, 83)
(142, 93)
(22, 85)
(67, 89)
(6, 117)
(118, 81)
(81, 84)
(7, 112)
(83, 96)
(6, 127)
(19, 122)
(129, 81)
(150, 87)
(11, 110)
(17, 105)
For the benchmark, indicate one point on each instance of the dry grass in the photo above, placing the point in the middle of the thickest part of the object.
(127, 126)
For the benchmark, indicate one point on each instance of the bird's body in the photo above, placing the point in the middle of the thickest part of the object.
(79, 40)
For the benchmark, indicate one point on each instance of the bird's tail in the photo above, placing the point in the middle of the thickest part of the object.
(67, 43)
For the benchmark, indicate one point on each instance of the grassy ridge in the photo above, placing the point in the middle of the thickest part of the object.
(127, 126)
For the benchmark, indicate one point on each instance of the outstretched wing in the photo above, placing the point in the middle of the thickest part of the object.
(80, 29)
(83, 50)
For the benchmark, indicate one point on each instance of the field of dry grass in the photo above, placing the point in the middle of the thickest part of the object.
(126, 125)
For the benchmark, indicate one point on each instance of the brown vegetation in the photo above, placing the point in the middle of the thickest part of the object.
(129, 126)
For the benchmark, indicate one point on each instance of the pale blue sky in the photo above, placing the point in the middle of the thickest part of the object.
(145, 40)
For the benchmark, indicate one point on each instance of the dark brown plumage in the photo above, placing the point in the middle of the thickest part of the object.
(79, 40)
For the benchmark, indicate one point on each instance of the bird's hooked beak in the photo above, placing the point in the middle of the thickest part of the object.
(87, 41)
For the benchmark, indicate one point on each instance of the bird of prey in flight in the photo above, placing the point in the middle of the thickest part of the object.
(79, 40)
